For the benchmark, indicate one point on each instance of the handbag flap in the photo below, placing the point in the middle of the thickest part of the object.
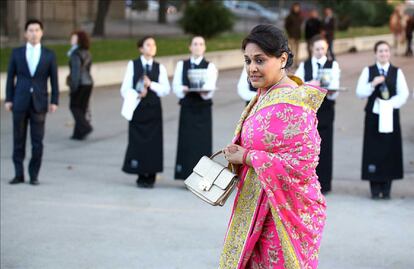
(224, 179)
(213, 173)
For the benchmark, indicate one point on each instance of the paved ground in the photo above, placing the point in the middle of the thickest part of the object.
(88, 214)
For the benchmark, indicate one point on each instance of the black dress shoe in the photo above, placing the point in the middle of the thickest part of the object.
(34, 182)
(16, 180)
(375, 197)
(144, 185)
(386, 196)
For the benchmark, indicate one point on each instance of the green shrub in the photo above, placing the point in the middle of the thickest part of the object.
(206, 18)
(359, 13)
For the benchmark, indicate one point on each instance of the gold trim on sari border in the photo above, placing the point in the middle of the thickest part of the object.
(242, 222)
(305, 96)
(291, 261)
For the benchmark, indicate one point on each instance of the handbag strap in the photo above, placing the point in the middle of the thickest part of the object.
(231, 166)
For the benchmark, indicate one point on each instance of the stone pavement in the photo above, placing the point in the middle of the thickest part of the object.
(86, 213)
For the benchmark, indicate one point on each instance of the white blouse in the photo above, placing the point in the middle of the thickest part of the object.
(300, 72)
(243, 87)
(364, 88)
(210, 84)
(131, 97)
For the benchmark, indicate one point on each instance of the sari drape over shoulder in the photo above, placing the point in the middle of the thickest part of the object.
(279, 211)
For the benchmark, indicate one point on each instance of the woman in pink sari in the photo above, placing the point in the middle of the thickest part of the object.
(279, 211)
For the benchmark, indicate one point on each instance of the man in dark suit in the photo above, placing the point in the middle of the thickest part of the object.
(30, 68)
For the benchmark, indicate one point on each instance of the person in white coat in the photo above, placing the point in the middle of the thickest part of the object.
(244, 88)
(309, 71)
(385, 88)
(195, 136)
(144, 84)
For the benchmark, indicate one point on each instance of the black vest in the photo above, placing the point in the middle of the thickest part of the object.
(309, 70)
(192, 97)
(152, 97)
(390, 80)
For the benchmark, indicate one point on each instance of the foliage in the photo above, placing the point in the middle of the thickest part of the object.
(359, 13)
(206, 18)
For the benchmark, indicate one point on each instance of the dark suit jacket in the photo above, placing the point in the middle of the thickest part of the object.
(18, 92)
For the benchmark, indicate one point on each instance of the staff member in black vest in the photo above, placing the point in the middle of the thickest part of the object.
(308, 71)
(245, 89)
(386, 89)
(144, 83)
(195, 127)
(30, 68)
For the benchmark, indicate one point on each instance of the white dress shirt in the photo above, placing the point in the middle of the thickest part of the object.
(131, 97)
(364, 88)
(210, 84)
(33, 56)
(300, 72)
(243, 87)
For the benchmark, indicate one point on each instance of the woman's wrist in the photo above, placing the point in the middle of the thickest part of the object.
(246, 158)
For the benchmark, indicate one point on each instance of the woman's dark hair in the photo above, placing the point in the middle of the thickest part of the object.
(317, 38)
(83, 39)
(379, 43)
(141, 42)
(271, 40)
(33, 21)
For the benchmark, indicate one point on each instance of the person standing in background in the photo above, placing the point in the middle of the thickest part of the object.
(397, 28)
(80, 83)
(309, 71)
(409, 35)
(195, 135)
(293, 24)
(145, 82)
(245, 88)
(30, 67)
(329, 31)
(386, 89)
(313, 27)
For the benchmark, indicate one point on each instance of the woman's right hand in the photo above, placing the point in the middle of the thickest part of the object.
(143, 93)
(377, 80)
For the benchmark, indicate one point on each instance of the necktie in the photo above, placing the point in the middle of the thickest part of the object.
(382, 72)
(147, 69)
(192, 66)
(319, 65)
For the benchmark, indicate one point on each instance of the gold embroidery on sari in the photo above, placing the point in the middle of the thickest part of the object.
(289, 254)
(241, 223)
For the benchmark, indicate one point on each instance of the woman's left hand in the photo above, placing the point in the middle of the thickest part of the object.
(234, 153)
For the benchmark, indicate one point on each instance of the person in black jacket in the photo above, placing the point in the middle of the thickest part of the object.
(80, 83)
(329, 31)
(293, 24)
(30, 67)
(313, 27)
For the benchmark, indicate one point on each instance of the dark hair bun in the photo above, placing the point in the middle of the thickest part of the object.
(271, 40)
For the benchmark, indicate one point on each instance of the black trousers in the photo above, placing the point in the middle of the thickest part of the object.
(79, 102)
(37, 131)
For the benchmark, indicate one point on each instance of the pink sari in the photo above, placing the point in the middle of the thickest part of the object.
(279, 211)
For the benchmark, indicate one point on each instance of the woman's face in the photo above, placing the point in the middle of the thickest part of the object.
(74, 40)
(262, 70)
(198, 46)
(149, 48)
(319, 49)
(383, 53)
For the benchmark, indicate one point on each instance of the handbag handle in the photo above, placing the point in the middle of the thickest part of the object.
(229, 165)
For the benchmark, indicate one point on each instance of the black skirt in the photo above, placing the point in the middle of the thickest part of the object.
(194, 137)
(382, 158)
(145, 140)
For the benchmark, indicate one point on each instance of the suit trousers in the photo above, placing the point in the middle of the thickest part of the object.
(21, 120)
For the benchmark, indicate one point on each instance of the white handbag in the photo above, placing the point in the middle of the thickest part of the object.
(211, 181)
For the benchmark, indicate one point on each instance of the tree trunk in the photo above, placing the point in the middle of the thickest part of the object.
(99, 27)
(162, 11)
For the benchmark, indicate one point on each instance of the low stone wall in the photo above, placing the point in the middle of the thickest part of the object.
(112, 73)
